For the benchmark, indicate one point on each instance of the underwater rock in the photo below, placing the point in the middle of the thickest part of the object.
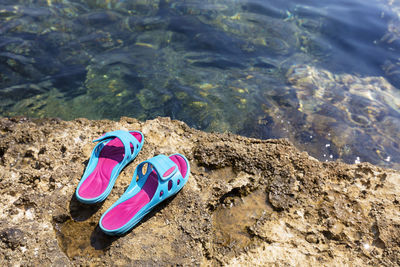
(247, 201)
(350, 114)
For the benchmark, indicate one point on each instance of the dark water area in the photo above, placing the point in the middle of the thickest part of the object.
(324, 74)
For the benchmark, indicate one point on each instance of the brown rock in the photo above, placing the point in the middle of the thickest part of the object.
(247, 201)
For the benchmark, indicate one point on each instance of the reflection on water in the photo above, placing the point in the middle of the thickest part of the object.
(325, 75)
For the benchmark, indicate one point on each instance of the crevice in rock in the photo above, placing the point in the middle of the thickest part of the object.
(253, 234)
(3, 150)
(52, 183)
(377, 242)
(42, 151)
(61, 218)
(24, 202)
(29, 179)
(330, 236)
(228, 197)
(63, 149)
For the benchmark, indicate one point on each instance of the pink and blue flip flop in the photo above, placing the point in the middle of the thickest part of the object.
(154, 181)
(113, 152)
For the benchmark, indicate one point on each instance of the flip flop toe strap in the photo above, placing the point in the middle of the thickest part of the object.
(168, 176)
(126, 138)
(164, 166)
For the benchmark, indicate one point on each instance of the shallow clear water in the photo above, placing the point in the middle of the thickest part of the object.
(324, 74)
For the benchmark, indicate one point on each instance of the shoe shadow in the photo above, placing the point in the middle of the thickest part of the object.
(80, 211)
(101, 241)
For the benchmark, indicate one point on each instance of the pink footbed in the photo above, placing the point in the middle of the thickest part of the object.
(122, 213)
(110, 155)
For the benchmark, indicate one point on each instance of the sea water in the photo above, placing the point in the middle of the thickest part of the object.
(324, 74)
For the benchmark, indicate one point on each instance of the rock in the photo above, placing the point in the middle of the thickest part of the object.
(12, 237)
(248, 201)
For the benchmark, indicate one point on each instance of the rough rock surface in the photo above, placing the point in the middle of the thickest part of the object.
(248, 201)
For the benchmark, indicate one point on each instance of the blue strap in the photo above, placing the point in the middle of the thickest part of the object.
(163, 165)
(126, 138)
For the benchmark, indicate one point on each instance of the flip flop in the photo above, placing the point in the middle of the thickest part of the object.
(113, 152)
(163, 178)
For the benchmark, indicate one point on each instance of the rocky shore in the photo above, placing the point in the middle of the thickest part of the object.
(247, 202)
